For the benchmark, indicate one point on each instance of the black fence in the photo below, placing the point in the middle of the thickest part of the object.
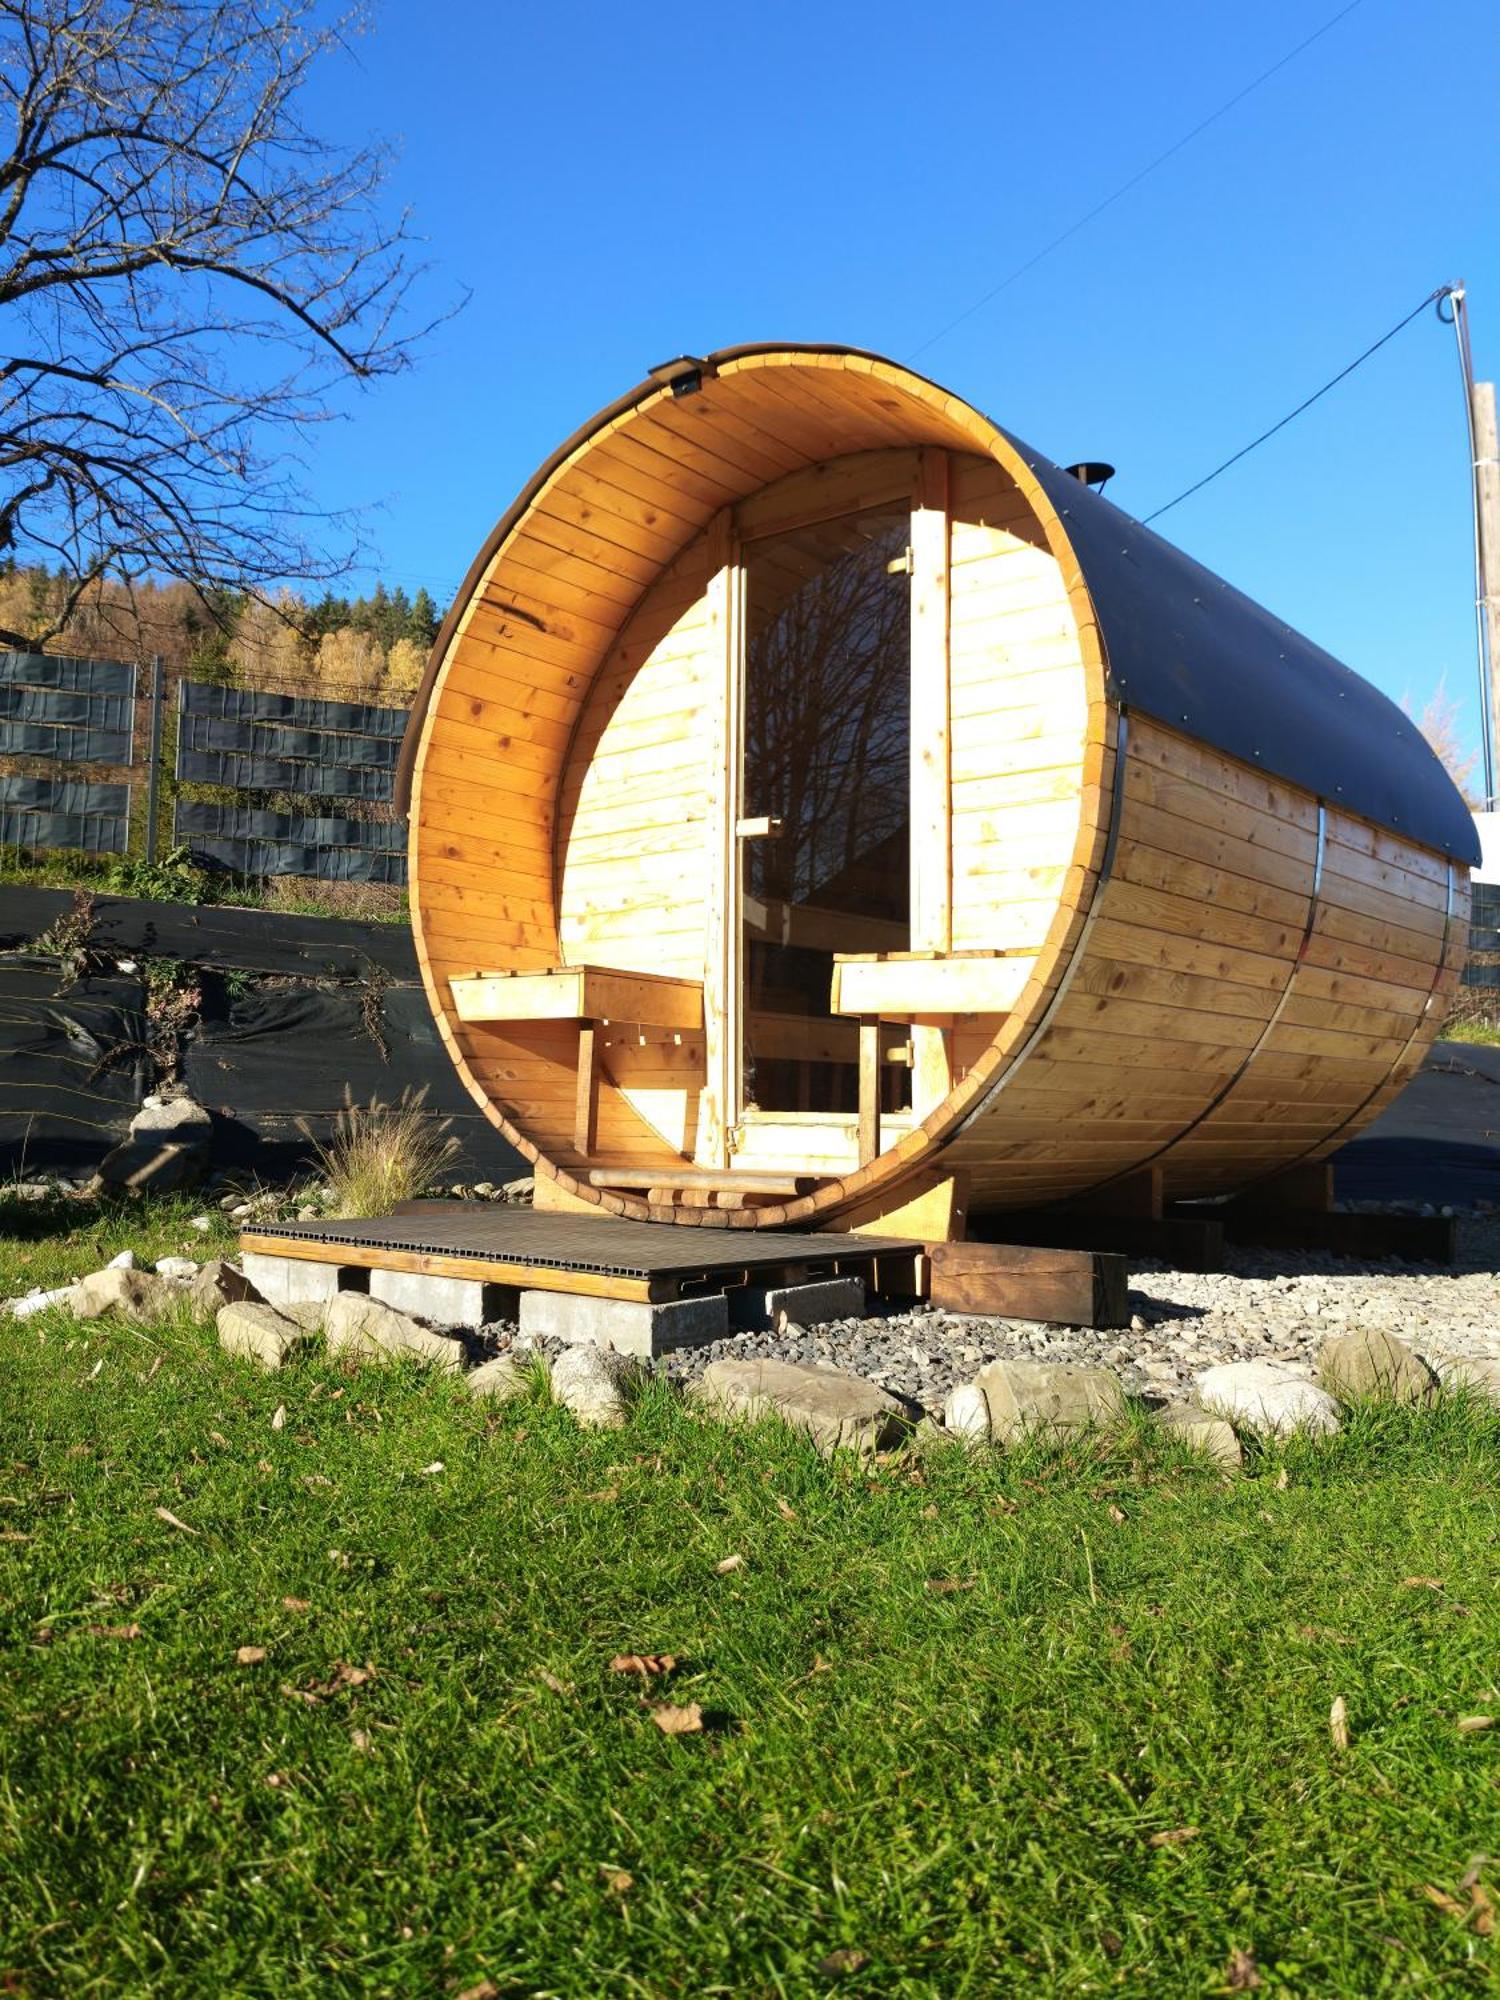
(74, 711)
(277, 762)
(64, 812)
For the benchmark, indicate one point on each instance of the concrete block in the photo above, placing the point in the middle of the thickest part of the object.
(629, 1326)
(443, 1301)
(754, 1308)
(283, 1281)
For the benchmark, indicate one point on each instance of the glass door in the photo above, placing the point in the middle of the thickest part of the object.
(826, 798)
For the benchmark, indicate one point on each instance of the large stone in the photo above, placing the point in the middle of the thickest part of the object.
(629, 1326)
(443, 1301)
(181, 1270)
(966, 1414)
(256, 1333)
(284, 1280)
(39, 1301)
(168, 1147)
(832, 1408)
(1027, 1398)
(760, 1307)
(499, 1380)
(1268, 1398)
(1470, 1374)
(137, 1295)
(218, 1284)
(358, 1328)
(1372, 1365)
(597, 1384)
(1205, 1433)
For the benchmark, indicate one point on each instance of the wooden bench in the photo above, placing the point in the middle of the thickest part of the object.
(590, 995)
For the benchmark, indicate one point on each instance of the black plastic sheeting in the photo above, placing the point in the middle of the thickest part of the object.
(253, 842)
(64, 812)
(284, 743)
(73, 1065)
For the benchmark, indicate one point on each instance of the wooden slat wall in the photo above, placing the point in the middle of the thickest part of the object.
(1019, 717)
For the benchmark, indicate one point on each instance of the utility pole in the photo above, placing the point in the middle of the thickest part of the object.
(1484, 455)
(1487, 545)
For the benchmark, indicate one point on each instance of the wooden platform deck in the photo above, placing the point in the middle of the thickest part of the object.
(609, 1258)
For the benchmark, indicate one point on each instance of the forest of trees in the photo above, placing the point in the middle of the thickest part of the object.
(361, 648)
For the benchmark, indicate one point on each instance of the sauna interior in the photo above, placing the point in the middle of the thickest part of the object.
(814, 792)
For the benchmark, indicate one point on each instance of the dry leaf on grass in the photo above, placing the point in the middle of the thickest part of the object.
(1449, 1905)
(166, 1514)
(942, 1586)
(277, 1780)
(930, 1511)
(1338, 1723)
(219, 1438)
(485, 1990)
(787, 1513)
(604, 1496)
(13, 1535)
(1484, 1910)
(1283, 1480)
(729, 1563)
(1470, 1723)
(1173, 1836)
(1117, 1515)
(1421, 1583)
(436, 1466)
(114, 1631)
(361, 1738)
(297, 1603)
(678, 1721)
(278, 1417)
(551, 1681)
(250, 1656)
(1241, 1975)
(848, 1958)
(618, 1881)
(644, 1664)
(316, 1479)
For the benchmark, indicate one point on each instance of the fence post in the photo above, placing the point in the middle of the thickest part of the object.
(153, 770)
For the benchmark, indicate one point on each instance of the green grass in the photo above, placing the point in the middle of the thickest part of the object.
(1472, 1031)
(962, 1784)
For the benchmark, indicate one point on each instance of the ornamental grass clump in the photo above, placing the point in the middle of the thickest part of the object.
(380, 1154)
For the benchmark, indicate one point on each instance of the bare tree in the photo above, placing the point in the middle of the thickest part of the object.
(186, 272)
(1439, 722)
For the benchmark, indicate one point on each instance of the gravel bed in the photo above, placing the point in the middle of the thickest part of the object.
(1268, 1306)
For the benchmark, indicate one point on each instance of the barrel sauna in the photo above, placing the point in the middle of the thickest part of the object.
(818, 798)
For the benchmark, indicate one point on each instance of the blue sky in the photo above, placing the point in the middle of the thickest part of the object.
(614, 186)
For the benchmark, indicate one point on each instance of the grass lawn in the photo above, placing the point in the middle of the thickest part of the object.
(1053, 1723)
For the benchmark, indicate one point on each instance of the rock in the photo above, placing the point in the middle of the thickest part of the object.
(832, 1408)
(1266, 1397)
(39, 1301)
(499, 1380)
(178, 1269)
(1375, 1366)
(29, 1191)
(1038, 1396)
(257, 1333)
(219, 1284)
(307, 1212)
(596, 1384)
(137, 1295)
(202, 1223)
(966, 1414)
(362, 1329)
(1204, 1433)
(168, 1147)
(1472, 1374)
(520, 1190)
(308, 1313)
(123, 1260)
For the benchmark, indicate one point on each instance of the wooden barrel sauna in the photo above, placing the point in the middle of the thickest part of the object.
(818, 797)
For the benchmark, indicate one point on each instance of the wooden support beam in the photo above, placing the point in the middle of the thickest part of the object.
(933, 1209)
(1306, 1190)
(1019, 1281)
(869, 1091)
(731, 1180)
(1137, 1197)
(586, 1103)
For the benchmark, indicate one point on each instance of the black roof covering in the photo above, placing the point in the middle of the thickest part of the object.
(1192, 651)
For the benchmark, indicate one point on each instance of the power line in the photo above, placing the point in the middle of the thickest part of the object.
(1442, 292)
(1135, 179)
